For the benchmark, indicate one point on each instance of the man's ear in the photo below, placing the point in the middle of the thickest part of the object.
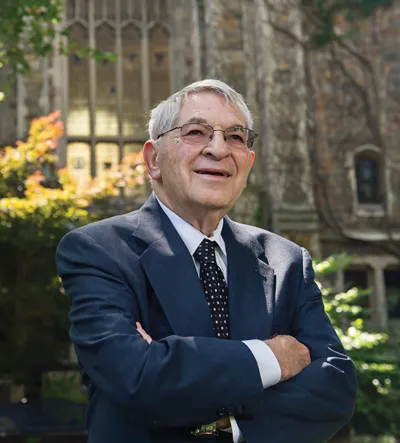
(150, 156)
(252, 157)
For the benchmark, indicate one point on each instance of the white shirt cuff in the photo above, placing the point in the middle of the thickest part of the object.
(237, 436)
(270, 370)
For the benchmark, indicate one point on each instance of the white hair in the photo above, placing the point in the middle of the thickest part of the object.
(164, 116)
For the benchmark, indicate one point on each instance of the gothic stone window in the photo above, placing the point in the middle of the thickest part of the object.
(368, 174)
(108, 102)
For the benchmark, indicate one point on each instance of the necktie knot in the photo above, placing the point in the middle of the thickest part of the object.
(205, 253)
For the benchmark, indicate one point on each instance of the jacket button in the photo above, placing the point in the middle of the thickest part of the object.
(231, 410)
(240, 409)
(221, 412)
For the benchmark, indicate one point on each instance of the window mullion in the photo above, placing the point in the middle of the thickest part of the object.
(145, 58)
(120, 79)
(92, 89)
(62, 81)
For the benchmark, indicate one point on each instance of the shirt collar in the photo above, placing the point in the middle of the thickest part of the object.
(191, 236)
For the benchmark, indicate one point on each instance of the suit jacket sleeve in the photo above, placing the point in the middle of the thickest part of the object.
(177, 381)
(312, 406)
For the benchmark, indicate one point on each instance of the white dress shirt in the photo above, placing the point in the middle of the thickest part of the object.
(270, 371)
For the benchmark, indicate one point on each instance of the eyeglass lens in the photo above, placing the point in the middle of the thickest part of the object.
(198, 133)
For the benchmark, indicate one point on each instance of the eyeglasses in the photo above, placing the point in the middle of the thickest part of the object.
(201, 134)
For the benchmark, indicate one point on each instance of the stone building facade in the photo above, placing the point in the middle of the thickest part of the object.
(333, 188)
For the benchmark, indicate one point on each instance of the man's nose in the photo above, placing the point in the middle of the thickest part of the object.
(218, 147)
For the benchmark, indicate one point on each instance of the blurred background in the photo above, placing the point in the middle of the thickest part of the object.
(77, 81)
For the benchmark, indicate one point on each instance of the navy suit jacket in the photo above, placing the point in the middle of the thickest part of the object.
(135, 267)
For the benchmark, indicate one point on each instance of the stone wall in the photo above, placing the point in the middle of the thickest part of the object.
(357, 102)
(243, 49)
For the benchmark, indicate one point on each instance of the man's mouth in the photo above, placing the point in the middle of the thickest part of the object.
(214, 172)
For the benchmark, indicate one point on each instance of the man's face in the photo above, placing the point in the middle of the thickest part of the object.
(205, 177)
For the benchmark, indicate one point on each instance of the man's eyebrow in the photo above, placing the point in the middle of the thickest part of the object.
(202, 120)
(197, 120)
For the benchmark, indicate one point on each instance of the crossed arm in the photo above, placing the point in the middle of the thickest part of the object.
(147, 379)
(222, 423)
(319, 400)
(292, 356)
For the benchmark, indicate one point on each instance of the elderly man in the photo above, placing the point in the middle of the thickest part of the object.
(189, 326)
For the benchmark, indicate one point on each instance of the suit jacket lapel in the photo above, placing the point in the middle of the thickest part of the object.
(251, 284)
(172, 273)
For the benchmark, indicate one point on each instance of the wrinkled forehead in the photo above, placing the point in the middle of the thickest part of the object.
(210, 107)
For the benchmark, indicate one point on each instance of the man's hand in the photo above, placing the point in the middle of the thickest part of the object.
(223, 423)
(292, 355)
(143, 333)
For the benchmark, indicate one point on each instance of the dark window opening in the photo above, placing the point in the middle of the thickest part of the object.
(358, 278)
(392, 283)
(368, 177)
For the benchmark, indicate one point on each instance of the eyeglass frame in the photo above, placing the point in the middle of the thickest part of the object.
(214, 130)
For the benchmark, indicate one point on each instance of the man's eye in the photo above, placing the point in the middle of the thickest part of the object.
(237, 138)
(196, 132)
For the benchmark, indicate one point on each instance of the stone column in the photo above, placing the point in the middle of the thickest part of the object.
(285, 171)
(58, 77)
(380, 303)
(339, 284)
(184, 43)
(224, 42)
(33, 94)
(376, 281)
(8, 115)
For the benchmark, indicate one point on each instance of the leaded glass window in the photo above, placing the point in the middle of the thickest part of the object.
(108, 102)
(78, 162)
(368, 177)
(78, 122)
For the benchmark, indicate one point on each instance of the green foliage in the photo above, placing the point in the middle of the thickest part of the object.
(64, 386)
(333, 19)
(371, 439)
(378, 400)
(27, 27)
(35, 212)
(34, 326)
(31, 28)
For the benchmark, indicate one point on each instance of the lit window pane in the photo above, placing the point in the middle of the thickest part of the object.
(132, 148)
(159, 65)
(106, 91)
(130, 164)
(106, 159)
(78, 88)
(134, 123)
(78, 162)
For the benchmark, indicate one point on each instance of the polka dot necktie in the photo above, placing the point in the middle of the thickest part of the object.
(214, 286)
